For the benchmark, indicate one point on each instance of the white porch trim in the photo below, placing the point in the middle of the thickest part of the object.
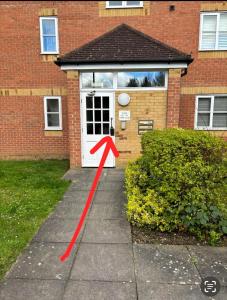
(123, 66)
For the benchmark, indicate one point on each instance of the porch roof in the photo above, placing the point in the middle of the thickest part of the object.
(124, 44)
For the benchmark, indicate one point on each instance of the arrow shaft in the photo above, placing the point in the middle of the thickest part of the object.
(87, 205)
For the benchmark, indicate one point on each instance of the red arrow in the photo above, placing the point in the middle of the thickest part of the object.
(109, 146)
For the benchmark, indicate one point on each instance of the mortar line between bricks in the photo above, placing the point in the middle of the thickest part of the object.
(79, 243)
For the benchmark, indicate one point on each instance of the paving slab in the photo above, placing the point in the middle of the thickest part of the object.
(74, 174)
(57, 230)
(109, 196)
(211, 261)
(36, 289)
(69, 210)
(74, 196)
(164, 264)
(107, 231)
(100, 290)
(111, 186)
(114, 177)
(114, 171)
(41, 261)
(106, 262)
(110, 210)
(82, 185)
(156, 291)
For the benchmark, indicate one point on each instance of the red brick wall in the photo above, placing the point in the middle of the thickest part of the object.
(173, 98)
(22, 129)
(21, 119)
(187, 111)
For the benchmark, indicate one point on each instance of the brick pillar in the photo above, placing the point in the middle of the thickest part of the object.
(73, 106)
(173, 100)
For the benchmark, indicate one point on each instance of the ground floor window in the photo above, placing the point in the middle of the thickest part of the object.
(52, 113)
(211, 112)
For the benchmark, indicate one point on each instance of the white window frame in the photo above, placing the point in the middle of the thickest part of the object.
(46, 113)
(56, 34)
(217, 30)
(124, 5)
(211, 112)
(115, 87)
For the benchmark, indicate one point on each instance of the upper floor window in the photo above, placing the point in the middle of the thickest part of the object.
(49, 35)
(213, 31)
(211, 112)
(123, 4)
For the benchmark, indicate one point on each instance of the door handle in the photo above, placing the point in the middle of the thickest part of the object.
(111, 131)
(111, 127)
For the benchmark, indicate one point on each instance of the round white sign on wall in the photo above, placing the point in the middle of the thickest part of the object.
(123, 99)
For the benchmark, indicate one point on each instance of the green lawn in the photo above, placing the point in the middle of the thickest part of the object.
(29, 191)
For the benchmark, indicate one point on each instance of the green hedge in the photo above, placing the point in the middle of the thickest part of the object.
(178, 183)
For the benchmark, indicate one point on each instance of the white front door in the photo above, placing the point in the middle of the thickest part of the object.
(97, 117)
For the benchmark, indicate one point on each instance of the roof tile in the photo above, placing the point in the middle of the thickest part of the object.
(124, 44)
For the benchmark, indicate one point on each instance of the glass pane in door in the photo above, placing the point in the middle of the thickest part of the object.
(89, 128)
(97, 101)
(89, 115)
(105, 102)
(98, 115)
(89, 102)
(97, 128)
(106, 116)
(106, 128)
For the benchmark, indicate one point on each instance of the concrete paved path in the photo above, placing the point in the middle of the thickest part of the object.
(105, 264)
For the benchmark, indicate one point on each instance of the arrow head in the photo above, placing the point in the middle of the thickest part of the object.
(109, 145)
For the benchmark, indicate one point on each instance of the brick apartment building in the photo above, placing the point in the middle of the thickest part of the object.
(75, 71)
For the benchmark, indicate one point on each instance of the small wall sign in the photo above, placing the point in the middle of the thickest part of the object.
(124, 115)
(144, 126)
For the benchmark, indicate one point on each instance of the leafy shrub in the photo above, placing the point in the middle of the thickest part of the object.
(178, 183)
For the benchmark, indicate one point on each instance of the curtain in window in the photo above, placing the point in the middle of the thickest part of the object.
(209, 32)
(220, 112)
(222, 40)
(49, 35)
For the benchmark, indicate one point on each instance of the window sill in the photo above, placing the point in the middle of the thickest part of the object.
(53, 129)
(127, 7)
(49, 53)
(212, 129)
